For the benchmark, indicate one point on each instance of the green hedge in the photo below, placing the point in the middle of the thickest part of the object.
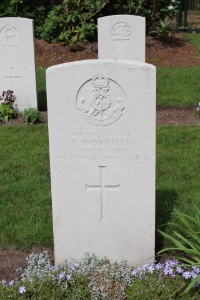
(71, 21)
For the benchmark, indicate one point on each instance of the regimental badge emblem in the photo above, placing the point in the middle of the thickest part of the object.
(101, 101)
(121, 31)
(8, 36)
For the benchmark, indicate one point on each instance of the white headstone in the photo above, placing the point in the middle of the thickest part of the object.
(101, 118)
(17, 61)
(121, 37)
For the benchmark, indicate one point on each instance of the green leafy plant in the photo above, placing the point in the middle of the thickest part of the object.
(165, 26)
(171, 10)
(6, 107)
(72, 21)
(32, 115)
(187, 242)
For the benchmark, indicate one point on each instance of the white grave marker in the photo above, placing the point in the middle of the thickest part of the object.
(121, 37)
(101, 116)
(17, 61)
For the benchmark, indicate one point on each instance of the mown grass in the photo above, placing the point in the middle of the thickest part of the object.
(25, 200)
(194, 39)
(41, 87)
(178, 176)
(178, 87)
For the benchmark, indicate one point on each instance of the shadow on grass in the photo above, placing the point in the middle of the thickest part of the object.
(165, 202)
(42, 101)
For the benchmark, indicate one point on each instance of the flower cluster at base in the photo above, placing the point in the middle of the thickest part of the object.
(7, 97)
(6, 106)
(89, 278)
(168, 268)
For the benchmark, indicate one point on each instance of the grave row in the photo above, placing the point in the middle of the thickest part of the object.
(101, 121)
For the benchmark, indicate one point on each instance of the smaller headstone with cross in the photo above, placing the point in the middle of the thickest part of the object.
(17, 61)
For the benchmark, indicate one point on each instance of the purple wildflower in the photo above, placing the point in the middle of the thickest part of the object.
(69, 277)
(171, 263)
(168, 271)
(196, 269)
(150, 269)
(158, 266)
(145, 267)
(179, 270)
(187, 275)
(11, 283)
(61, 275)
(134, 272)
(22, 290)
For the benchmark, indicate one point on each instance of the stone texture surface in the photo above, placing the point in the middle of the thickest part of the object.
(101, 118)
(121, 37)
(17, 61)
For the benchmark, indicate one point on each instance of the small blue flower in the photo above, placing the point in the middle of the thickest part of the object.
(150, 269)
(54, 268)
(11, 283)
(69, 277)
(179, 270)
(22, 290)
(61, 275)
(134, 272)
(168, 271)
(187, 275)
(158, 266)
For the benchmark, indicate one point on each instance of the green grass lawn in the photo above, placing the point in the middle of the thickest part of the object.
(194, 39)
(178, 87)
(25, 181)
(25, 200)
(41, 87)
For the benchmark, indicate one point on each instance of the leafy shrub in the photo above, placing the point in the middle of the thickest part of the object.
(32, 115)
(187, 242)
(153, 11)
(72, 21)
(54, 24)
(6, 106)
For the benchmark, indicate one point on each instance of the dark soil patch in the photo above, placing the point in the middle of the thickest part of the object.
(176, 116)
(172, 52)
(12, 259)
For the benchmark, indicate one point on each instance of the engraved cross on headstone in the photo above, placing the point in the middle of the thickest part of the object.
(12, 77)
(102, 187)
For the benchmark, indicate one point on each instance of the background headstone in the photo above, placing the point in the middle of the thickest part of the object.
(101, 120)
(17, 61)
(121, 37)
